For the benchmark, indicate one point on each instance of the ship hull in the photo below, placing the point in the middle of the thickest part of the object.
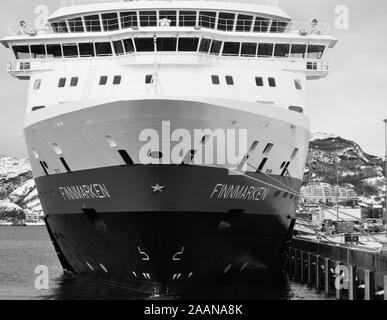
(199, 225)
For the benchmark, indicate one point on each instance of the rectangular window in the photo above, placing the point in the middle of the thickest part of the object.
(205, 45)
(282, 50)
(231, 48)
(148, 19)
(168, 17)
(226, 21)
(21, 52)
(278, 26)
(70, 50)
(37, 84)
(298, 51)
(315, 52)
(249, 49)
(230, 80)
(272, 82)
(207, 19)
(188, 44)
(103, 80)
(86, 49)
(128, 45)
(215, 47)
(144, 44)
(62, 83)
(187, 18)
(103, 49)
(92, 23)
(118, 47)
(110, 21)
(59, 27)
(215, 80)
(148, 78)
(259, 81)
(261, 24)
(75, 25)
(244, 23)
(128, 19)
(166, 44)
(117, 80)
(38, 51)
(298, 84)
(74, 82)
(54, 51)
(265, 50)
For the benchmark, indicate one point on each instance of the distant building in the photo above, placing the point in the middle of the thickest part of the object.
(326, 193)
(32, 216)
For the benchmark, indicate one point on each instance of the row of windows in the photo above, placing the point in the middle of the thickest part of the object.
(259, 81)
(223, 21)
(172, 44)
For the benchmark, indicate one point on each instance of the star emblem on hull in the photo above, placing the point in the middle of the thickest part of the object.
(157, 188)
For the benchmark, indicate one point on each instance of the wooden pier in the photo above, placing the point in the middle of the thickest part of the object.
(344, 271)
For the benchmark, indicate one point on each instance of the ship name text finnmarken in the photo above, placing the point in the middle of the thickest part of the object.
(83, 192)
(237, 192)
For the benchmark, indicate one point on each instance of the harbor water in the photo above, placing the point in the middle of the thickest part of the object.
(23, 249)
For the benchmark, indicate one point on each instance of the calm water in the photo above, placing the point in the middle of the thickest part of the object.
(22, 249)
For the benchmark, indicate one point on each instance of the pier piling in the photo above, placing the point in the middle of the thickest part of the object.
(318, 270)
(327, 276)
(309, 269)
(338, 289)
(385, 287)
(369, 290)
(302, 267)
(352, 289)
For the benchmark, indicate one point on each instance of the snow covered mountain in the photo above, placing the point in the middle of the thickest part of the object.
(330, 154)
(18, 194)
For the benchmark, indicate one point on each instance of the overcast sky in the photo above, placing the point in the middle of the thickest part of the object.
(351, 102)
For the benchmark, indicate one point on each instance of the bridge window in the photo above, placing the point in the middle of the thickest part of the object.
(188, 44)
(21, 52)
(298, 51)
(86, 49)
(117, 80)
(92, 23)
(249, 49)
(261, 24)
(148, 78)
(298, 84)
(103, 49)
(38, 51)
(70, 50)
(148, 19)
(59, 27)
(54, 51)
(231, 48)
(103, 80)
(278, 26)
(265, 50)
(128, 19)
(244, 23)
(215, 80)
(205, 45)
(166, 44)
(187, 18)
(37, 84)
(207, 19)
(272, 82)
(282, 50)
(226, 21)
(230, 80)
(128, 45)
(144, 44)
(168, 15)
(74, 82)
(259, 81)
(315, 51)
(110, 21)
(76, 25)
(118, 47)
(62, 83)
(215, 47)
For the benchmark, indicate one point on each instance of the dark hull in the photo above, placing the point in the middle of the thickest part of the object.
(182, 236)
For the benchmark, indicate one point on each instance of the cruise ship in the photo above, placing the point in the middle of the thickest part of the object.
(132, 106)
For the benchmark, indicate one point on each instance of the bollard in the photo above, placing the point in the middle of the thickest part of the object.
(327, 278)
(318, 279)
(309, 269)
(302, 266)
(352, 290)
(385, 287)
(337, 284)
(369, 290)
